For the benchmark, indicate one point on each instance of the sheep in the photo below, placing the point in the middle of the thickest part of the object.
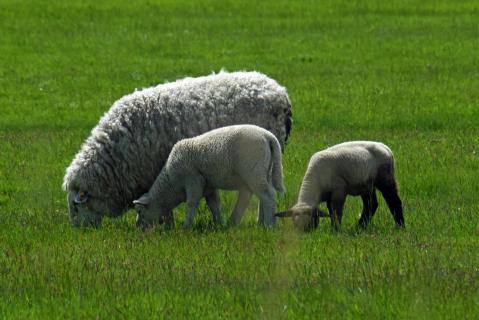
(350, 168)
(127, 149)
(246, 158)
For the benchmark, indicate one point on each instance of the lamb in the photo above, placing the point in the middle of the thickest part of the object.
(128, 148)
(246, 158)
(350, 168)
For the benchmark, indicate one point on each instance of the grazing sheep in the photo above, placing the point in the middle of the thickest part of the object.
(350, 168)
(127, 149)
(246, 158)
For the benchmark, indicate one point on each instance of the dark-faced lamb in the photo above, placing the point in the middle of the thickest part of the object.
(355, 168)
(128, 148)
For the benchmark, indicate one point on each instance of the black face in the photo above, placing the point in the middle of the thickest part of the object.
(304, 218)
(313, 222)
(311, 218)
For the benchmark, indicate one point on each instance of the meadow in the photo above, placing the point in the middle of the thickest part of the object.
(403, 72)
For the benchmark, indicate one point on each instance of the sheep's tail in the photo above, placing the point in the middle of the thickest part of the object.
(392, 161)
(276, 164)
(393, 171)
(288, 123)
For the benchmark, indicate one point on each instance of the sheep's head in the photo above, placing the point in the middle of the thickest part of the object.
(304, 218)
(149, 213)
(85, 209)
(145, 212)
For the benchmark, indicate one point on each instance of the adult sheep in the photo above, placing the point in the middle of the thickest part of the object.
(125, 152)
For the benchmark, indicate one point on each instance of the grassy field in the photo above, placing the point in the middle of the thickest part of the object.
(402, 72)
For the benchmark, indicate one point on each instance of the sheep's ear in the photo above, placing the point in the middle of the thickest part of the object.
(81, 197)
(144, 200)
(283, 214)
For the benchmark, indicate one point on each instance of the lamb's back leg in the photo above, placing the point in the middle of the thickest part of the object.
(266, 193)
(391, 195)
(338, 198)
(370, 204)
(194, 191)
(213, 201)
(386, 183)
(267, 206)
(244, 196)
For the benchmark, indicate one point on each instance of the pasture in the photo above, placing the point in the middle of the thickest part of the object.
(402, 72)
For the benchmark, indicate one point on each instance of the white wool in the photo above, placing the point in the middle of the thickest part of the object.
(350, 168)
(129, 146)
(240, 157)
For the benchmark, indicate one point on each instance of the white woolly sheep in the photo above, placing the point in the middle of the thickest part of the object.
(350, 168)
(127, 149)
(246, 158)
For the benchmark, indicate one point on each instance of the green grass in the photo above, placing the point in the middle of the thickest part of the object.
(402, 72)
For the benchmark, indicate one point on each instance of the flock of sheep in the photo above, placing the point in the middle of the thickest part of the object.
(181, 141)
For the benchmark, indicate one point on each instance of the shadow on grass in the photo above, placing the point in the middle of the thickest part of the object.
(204, 224)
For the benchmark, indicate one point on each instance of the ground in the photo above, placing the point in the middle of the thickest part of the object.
(403, 72)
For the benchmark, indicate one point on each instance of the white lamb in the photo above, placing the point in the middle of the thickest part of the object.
(246, 158)
(350, 168)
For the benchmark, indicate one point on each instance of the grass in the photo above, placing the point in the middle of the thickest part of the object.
(402, 72)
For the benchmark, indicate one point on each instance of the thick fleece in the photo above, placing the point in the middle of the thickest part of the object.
(128, 148)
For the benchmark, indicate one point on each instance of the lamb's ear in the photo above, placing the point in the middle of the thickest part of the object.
(136, 202)
(144, 200)
(81, 197)
(283, 214)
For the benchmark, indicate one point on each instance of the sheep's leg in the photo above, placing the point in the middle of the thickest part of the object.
(194, 192)
(213, 202)
(330, 207)
(386, 183)
(365, 214)
(192, 204)
(370, 205)
(242, 202)
(267, 207)
(260, 215)
(390, 194)
(169, 220)
(374, 203)
(337, 204)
